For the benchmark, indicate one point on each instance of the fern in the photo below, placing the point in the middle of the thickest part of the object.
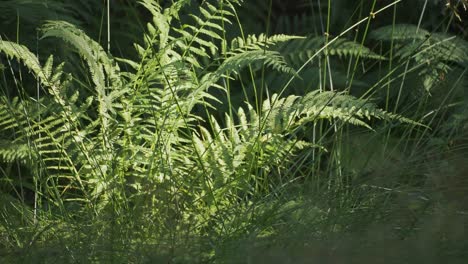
(138, 135)
(47, 140)
(299, 51)
(400, 32)
(103, 69)
(260, 42)
(23, 54)
(437, 51)
(55, 134)
(227, 152)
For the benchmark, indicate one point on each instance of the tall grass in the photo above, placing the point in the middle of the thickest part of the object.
(221, 141)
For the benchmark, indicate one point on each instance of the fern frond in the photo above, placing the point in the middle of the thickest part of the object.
(50, 127)
(294, 111)
(22, 54)
(101, 65)
(269, 137)
(235, 63)
(104, 71)
(400, 32)
(10, 152)
(48, 139)
(300, 50)
(423, 44)
(201, 37)
(260, 42)
(435, 51)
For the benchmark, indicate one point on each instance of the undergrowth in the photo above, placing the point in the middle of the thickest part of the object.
(212, 141)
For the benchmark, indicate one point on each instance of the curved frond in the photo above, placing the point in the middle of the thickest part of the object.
(300, 50)
(436, 52)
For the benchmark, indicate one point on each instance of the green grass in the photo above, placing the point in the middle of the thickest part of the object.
(204, 136)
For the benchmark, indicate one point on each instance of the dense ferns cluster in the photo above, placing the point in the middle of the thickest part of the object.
(139, 135)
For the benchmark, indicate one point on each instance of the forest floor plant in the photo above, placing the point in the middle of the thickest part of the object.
(254, 148)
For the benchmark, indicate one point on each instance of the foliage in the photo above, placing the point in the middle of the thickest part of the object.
(211, 134)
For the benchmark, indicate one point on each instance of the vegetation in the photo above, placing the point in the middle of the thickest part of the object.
(233, 131)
